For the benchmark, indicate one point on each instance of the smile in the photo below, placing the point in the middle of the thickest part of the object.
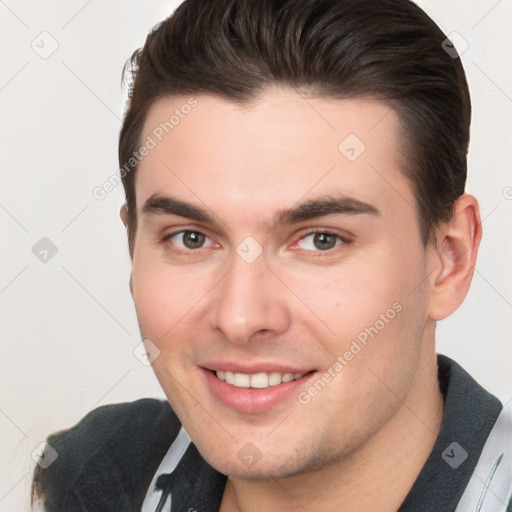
(251, 390)
(257, 380)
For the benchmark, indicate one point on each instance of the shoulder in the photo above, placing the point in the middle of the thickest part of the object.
(102, 421)
(121, 444)
(111, 425)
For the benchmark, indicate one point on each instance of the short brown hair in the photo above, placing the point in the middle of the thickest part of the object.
(389, 50)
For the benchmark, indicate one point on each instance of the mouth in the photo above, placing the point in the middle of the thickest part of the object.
(261, 380)
(254, 390)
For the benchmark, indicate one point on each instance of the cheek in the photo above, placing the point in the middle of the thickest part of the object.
(344, 300)
(370, 306)
(162, 296)
(166, 301)
(152, 300)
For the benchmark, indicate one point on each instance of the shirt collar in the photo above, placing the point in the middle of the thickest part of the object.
(469, 415)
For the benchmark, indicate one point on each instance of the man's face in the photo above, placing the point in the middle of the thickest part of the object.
(335, 289)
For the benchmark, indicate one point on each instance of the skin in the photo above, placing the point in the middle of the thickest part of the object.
(363, 439)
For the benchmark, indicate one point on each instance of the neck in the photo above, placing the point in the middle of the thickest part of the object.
(382, 471)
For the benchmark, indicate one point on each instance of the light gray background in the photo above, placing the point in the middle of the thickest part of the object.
(69, 326)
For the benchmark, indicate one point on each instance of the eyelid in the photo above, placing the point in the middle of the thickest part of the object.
(344, 235)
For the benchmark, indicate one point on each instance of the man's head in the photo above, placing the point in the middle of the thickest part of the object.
(298, 209)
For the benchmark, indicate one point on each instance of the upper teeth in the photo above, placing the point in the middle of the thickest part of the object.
(256, 380)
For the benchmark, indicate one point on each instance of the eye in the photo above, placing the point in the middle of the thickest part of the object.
(188, 240)
(320, 241)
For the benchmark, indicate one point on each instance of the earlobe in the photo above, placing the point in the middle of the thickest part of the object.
(455, 258)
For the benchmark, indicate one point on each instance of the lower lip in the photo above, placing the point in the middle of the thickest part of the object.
(253, 400)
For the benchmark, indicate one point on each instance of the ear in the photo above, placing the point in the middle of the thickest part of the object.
(454, 257)
(123, 213)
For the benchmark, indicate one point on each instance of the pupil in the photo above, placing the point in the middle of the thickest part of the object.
(193, 240)
(324, 241)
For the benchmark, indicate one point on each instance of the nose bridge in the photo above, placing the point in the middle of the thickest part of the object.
(247, 301)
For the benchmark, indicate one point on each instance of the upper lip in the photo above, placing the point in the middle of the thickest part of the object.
(251, 368)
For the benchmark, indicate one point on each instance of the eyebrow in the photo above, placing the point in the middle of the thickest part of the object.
(322, 206)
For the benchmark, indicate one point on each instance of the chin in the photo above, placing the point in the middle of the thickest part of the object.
(262, 470)
(266, 467)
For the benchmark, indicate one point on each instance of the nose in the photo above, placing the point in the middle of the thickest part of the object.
(249, 301)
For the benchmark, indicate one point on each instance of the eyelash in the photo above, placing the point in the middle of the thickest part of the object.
(193, 252)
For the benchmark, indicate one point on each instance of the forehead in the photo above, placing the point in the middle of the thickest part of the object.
(273, 152)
